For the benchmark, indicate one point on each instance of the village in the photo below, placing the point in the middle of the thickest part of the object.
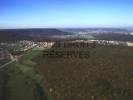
(19, 47)
(84, 43)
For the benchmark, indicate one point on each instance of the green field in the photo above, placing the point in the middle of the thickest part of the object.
(22, 81)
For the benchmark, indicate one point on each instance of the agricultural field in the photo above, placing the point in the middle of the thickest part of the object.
(106, 75)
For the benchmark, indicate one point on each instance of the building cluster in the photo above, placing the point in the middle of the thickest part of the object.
(45, 44)
(87, 43)
(74, 44)
(4, 55)
(109, 42)
(18, 46)
(26, 45)
(82, 43)
(130, 44)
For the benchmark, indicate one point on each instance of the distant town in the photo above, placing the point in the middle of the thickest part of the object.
(17, 48)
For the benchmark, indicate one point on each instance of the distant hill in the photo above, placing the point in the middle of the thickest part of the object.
(10, 36)
(116, 37)
(96, 30)
(29, 34)
(118, 34)
(65, 34)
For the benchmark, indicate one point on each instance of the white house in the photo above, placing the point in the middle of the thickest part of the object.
(130, 44)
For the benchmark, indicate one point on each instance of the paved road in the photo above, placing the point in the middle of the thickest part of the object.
(14, 59)
(7, 64)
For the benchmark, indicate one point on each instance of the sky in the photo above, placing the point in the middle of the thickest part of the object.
(65, 13)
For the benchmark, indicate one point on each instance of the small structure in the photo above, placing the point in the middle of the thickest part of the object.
(130, 44)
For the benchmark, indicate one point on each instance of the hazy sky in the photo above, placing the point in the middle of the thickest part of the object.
(65, 13)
